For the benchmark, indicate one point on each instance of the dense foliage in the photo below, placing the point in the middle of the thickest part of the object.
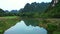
(52, 12)
(33, 9)
(29, 10)
(2, 12)
(8, 13)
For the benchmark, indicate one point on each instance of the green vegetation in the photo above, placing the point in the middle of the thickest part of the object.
(52, 12)
(2, 12)
(56, 32)
(40, 12)
(52, 25)
(33, 10)
(7, 22)
(9, 17)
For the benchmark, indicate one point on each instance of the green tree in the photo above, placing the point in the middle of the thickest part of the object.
(2, 12)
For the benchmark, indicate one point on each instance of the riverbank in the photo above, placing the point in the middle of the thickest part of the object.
(7, 22)
(48, 23)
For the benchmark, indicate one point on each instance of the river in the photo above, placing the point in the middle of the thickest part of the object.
(22, 28)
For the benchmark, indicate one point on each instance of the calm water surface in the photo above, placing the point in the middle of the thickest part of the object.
(22, 28)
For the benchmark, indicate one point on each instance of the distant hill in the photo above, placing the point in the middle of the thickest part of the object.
(14, 11)
(53, 11)
(35, 7)
(33, 10)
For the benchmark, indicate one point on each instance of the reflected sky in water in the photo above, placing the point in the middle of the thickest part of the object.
(22, 28)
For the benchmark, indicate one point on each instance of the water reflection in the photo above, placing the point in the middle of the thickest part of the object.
(31, 22)
(22, 28)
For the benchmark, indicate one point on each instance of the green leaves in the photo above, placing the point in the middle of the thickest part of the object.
(51, 27)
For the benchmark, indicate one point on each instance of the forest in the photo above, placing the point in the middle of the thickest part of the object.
(35, 10)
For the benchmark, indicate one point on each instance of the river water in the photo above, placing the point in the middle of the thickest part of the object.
(22, 28)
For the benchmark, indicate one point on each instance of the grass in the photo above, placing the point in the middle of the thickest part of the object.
(56, 32)
(7, 22)
(9, 17)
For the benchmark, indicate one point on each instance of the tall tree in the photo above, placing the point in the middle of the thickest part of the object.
(2, 12)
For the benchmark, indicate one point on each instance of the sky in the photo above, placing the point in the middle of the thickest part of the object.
(17, 4)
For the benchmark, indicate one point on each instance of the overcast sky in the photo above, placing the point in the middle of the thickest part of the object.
(17, 4)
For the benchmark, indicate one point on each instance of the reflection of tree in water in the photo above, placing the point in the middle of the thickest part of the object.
(50, 25)
(31, 22)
